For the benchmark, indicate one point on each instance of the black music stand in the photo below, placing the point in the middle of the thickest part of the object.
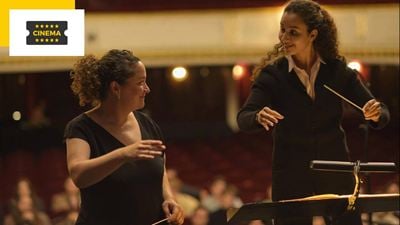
(317, 207)
(322, 205)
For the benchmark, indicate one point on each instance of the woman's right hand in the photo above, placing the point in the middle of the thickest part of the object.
(143, 149)
(268, 117)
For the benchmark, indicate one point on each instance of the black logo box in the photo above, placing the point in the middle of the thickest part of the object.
(46, 33)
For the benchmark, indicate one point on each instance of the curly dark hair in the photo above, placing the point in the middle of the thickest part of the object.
(91, 77)
(315, 17)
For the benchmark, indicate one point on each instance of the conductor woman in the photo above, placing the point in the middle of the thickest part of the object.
(288, 95)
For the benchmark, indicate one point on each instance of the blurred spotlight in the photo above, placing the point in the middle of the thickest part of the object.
(238, 72)
(179, 73)
(355, 65)
(16, 116)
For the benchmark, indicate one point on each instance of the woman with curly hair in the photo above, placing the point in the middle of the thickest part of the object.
(115, 153)
(288, 95)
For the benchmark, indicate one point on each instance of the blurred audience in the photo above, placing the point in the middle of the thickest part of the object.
(24, 188)
(228, 199)
(186, 201)
(256, 222)
(70, 219)
(37, 118)
(27, 208)
(200, 216)
(185, 188)
(68, 200)
(211, 200)
(23, 212)
(318, 220)
(65, 205)
(37, 132)
(388, 218)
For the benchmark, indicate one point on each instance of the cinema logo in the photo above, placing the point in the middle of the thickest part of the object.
(46, 33)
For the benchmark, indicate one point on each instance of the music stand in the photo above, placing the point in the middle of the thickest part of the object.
(322, 205)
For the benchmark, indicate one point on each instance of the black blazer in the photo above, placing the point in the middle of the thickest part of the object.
(311, 129)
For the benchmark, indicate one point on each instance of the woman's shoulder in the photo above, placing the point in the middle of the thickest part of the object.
(336, 63)
(275, 68)
(78, 120)
(78, 125)
(274, 71)
(340, 68)
(279, 64)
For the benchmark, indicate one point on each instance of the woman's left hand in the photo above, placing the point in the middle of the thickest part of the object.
(173, 212)
(372, 110)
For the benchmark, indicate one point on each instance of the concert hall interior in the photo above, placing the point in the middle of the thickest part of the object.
(199, 57)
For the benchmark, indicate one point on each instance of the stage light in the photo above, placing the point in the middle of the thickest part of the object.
(179, 73)
(16, 116)
(362, 69)
(238, 72)
(355, 65)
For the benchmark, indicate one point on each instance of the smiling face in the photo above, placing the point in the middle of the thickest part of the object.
(294, 35)
(135, 89)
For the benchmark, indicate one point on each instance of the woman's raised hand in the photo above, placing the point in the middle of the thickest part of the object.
(143, 149)
(268, 117)
(372, 110)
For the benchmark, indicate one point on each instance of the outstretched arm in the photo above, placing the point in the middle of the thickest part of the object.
(85, 171)
(256, 112)
(374, 111)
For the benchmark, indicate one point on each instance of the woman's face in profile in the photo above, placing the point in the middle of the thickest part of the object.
(294, 34)
(135, 89)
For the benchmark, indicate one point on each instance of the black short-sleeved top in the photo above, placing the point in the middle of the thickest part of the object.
(131, 195)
